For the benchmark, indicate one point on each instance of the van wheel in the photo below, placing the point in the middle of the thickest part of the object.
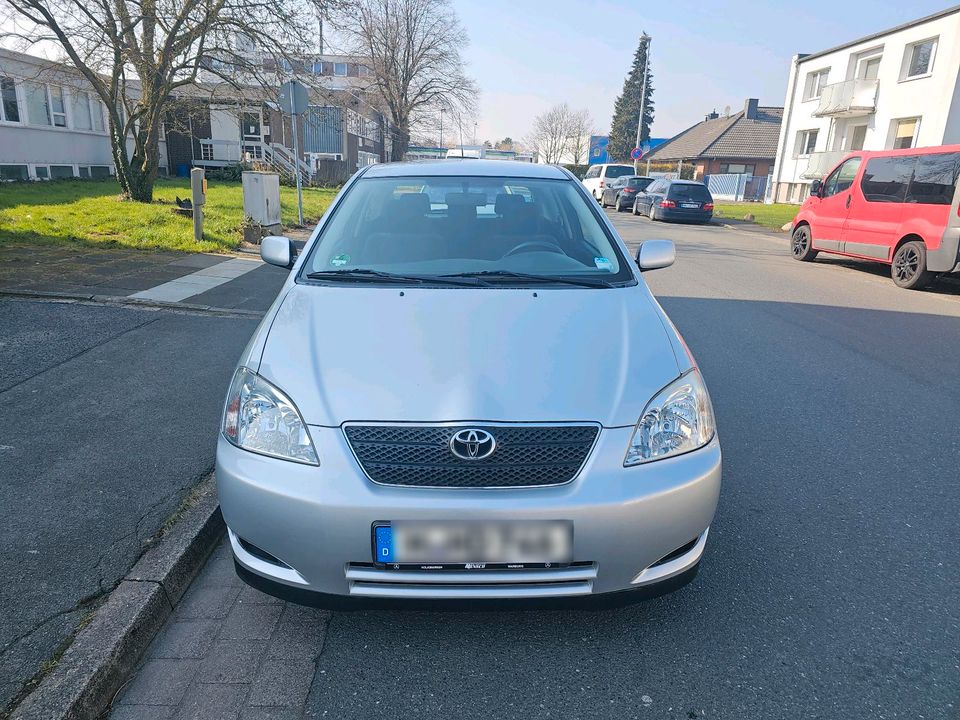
(909, 268)
(801, 244)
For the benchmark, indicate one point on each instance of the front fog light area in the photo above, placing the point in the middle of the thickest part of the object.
(677, 420)
(260, 418)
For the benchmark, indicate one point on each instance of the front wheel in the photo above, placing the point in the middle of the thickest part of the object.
(635, 208)
(909, 267)
(801, 244)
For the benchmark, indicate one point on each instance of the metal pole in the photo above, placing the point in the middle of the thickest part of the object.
(643, 95)
(296, 167)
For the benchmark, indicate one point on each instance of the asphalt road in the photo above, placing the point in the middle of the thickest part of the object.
(829, 588)
(830, 583)
(109, 417)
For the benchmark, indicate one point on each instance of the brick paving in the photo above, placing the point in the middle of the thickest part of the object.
(228, 653)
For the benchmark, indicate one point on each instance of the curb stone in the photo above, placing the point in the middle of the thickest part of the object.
(105, 652)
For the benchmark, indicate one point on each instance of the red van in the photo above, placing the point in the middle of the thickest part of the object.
(899, 207)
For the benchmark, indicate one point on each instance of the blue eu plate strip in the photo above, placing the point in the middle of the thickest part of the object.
(383, 537)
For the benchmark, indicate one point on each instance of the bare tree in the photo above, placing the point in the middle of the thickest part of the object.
(137, 53)
(413, 49)
(581, 128)
(550, 137)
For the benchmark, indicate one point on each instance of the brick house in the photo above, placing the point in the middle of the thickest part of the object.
(742, 143)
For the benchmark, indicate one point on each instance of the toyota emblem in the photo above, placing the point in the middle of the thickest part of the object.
(472, 444)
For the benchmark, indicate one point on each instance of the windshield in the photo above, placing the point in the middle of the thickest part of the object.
(449, 226)
(639, 183)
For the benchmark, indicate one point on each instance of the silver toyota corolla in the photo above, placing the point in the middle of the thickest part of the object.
(466, 391)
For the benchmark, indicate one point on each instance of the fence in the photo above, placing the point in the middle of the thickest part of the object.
(737, 187)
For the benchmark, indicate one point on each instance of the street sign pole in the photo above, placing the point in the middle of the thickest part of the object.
(643, 97)
(294, 100)
(296, 166)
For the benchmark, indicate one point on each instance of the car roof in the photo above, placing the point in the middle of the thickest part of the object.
(467, 168)
(684, 182)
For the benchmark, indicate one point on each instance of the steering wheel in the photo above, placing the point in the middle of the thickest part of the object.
(532, 245)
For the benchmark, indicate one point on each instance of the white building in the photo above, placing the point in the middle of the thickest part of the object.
(895, 89)
(52, 124)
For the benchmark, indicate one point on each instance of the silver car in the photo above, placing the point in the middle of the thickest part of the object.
(466, 391)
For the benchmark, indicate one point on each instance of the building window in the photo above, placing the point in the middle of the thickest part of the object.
(14, 172)
(815, 83)
(363, 70)
(905, 133)
(736, 169)
(84, 172)
(38, 106)
(42, 172)
(10, 107)
(340, 69)
(60, 172)
(99, 171)
(96, 114)
(918, 59)
(317, 68)
(206, 151)
(806, 142)
(868, 68)
(58, 106)
(80, 105)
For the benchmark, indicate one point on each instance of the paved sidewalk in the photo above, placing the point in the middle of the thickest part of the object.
(94, 271)
(228, 653)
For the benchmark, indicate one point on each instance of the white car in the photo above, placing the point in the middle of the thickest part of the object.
(599, 175)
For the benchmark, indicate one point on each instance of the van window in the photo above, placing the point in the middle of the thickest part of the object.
(842, 178)
(593, 172)
(614, 171)
(886, 179)
(935, 179)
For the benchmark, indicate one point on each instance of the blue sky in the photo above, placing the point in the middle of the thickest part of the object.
(527, 55)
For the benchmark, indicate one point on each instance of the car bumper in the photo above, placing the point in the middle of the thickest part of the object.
(682, 214)
(316, 522)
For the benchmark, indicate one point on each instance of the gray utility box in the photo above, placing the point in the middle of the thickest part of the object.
(261, 198)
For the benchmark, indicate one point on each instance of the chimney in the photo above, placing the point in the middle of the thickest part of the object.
(750, 108)
(712, 115)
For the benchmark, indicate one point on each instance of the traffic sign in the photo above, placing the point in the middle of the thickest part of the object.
(293, 98)
(636, 153)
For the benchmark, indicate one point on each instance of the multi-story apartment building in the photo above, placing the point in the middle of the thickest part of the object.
(898, 88)
(52, 123)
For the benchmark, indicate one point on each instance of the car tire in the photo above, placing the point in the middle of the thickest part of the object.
(602, 203)
(909, 266)
(618, 205)
(653, 213)
(635, 208)
(801, 244)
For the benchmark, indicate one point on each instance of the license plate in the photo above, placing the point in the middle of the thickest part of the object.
(690, 205)
(473, 545)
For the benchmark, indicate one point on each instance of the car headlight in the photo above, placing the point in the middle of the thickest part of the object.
(678, 419)
(261, 419)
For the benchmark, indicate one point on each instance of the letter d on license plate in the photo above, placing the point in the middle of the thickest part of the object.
(543, 542)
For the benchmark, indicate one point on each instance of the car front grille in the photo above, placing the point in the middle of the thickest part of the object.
(421, 456)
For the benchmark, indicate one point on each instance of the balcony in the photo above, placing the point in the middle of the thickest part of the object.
(849, 98)
(821, 163)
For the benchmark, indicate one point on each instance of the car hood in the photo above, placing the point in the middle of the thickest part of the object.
(434, 355)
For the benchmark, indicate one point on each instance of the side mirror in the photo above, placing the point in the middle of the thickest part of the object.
(655, 254)
(815, 187)
(278, 250)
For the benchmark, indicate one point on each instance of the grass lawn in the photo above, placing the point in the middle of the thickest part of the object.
(90, 212)
(772, 216)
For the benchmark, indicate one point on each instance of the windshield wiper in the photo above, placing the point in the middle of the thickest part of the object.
(368, 275)
(511, 275)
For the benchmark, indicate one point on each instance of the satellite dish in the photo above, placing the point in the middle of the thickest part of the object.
(726, 111)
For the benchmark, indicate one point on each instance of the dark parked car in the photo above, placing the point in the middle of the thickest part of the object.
(621, 192)
(675, 200)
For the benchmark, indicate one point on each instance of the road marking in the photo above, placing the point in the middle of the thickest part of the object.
(200, 281)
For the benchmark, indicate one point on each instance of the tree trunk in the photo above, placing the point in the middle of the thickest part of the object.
(401, 138)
